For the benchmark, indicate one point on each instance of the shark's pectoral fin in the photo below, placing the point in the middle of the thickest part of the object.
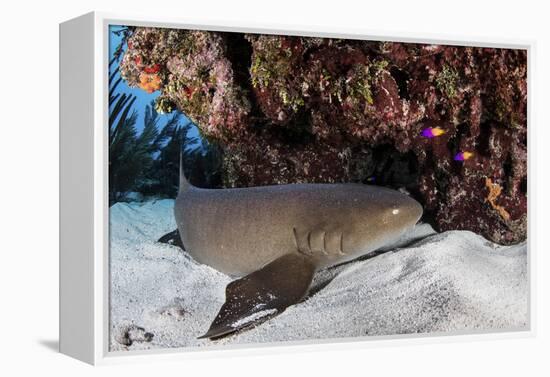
(263, 294)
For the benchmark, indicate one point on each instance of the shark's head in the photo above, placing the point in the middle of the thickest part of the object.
(399, 211)
(382, 216)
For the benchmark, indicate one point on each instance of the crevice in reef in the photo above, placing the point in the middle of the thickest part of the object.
(296, 133)
(395, 169)
(507, 168)
(482, 147)
(402, 80)
(239, 53)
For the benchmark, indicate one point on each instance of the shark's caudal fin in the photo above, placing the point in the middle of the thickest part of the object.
(184, 184)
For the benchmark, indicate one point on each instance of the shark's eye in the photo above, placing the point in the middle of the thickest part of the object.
(395, 211)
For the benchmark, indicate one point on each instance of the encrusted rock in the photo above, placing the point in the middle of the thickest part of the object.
(295, 109)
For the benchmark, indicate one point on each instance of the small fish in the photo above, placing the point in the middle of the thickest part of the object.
(463, 156)
(431, 132)
(371, 179)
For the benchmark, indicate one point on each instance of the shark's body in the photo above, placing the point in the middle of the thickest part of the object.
(276, 237)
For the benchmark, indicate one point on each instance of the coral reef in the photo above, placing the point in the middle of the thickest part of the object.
(298, 109)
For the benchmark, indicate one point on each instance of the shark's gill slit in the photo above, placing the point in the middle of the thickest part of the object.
(296, 238)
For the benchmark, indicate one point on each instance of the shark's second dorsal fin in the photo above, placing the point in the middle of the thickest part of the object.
(184, 184)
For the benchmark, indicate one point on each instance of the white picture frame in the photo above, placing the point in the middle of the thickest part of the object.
(84, 271)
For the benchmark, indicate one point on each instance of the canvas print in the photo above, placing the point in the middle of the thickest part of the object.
(274, 188)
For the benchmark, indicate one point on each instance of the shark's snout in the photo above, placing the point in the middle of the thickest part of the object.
(398, 211)
(381, 220)
(407, 212)
(410, 211)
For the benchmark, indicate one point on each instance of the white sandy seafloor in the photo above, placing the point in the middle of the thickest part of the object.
(429, 282)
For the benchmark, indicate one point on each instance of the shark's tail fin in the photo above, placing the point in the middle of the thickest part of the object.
(184, 184)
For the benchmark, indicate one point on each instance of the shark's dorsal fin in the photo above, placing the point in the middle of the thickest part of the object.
(184, 183)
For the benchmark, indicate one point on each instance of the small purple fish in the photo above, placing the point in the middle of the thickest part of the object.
(463, 156)
(432, 132)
